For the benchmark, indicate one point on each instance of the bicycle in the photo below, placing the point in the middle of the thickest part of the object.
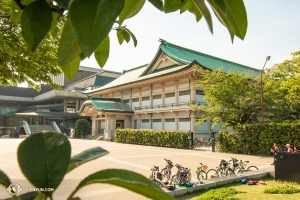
(201, 172)
(222, 170)
(183, 175)
(156, 174)
(241, 167)
(166, 171)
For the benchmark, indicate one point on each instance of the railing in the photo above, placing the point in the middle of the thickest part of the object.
(56, 128)
(191, 103)
(26, 128)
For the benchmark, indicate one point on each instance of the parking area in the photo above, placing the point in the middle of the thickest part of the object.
(123, 156)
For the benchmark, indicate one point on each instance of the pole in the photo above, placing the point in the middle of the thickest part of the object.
(262, 92)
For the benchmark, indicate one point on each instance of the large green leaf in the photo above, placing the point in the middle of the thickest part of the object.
(195, 10)
(71, 69)
(173, 5)
(68, 48)
(86, 156)
(126, 179)
(92, 20)
(205, 12)
(159, 4)
(132, 36)
(120, 36)
(131, 8)
(44, 159)
(188, 4)
(235, 18)
(16, 12)
(63, 3)
(4, 180)
(35, 23)
(102, 52)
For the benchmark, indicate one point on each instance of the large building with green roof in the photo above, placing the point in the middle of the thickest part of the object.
(157, 95)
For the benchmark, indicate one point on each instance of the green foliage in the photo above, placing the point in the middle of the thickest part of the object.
(282, 190)
(259, 138)
(81, 126)
(172, 139)
(231, 97)
(17, 63)
(44, 159)
(218, 194)
(38, 18)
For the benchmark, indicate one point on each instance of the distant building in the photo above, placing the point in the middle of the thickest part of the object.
(20, 106)
(157, 95)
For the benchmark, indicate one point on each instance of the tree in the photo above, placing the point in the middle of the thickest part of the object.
(81, 126)
(282, 83)
(17, 63)
(232, 98)
(82, 36)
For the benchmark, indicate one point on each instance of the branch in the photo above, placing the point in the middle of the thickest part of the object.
(21, 6)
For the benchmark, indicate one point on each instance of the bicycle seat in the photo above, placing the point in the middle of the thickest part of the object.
(247, 161)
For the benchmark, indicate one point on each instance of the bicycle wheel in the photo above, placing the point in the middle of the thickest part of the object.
(212, 173)
(229, 172)
(252, 168)
(158, 183)
(201, 175)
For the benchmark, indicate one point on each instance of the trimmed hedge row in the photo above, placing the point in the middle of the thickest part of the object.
(257, 139)
(172, 139)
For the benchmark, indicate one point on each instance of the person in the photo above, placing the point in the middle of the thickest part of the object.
(275, 149)
(289, 148)
(71, 133)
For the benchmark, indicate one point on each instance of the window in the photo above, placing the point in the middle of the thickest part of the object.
(135, 100)
(202, 127)
(199, 92)
(170, 124)
(157, 97)
(183, 93)
(156, 124)
(126, 101)
(145, 98)
(145, 124)
(184, 124)
(170, 95)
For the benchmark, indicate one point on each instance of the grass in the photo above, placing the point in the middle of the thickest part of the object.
(234, 191)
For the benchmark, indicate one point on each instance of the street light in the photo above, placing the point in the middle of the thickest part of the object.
(261, 91)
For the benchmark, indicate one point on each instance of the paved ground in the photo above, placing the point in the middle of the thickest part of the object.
(124, 156)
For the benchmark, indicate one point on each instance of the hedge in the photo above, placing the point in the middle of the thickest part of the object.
(172, 139)
(258, 139)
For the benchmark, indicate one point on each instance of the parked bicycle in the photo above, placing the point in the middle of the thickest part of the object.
(201, 172)
(166, 171)
(182, 175)
(156, 176)
(222, 170)
(240, 166)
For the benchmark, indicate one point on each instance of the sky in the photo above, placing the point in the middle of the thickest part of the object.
(273, 30)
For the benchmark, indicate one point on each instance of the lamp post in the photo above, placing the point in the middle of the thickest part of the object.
(262, 92)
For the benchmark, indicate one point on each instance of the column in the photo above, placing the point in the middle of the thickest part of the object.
(176, 93)
(176, 121)
(193, 121)
(65, 105)
(93, 126)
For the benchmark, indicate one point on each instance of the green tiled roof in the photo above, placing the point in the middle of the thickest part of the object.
(186, 56)
(107, 105)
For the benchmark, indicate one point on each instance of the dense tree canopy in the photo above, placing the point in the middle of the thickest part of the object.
(17, 63)
(89, 22)
(234, 98)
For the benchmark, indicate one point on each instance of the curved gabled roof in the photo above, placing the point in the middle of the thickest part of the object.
(186, 56)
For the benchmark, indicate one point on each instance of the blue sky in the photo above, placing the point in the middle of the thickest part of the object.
(273, 30)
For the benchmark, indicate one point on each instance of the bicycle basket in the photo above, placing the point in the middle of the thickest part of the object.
(224, 163)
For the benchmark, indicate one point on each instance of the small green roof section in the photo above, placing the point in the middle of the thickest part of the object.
(107, 105)
(186, 56)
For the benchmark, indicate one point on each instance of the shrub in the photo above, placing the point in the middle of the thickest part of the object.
(282, 190)
(218, 194)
